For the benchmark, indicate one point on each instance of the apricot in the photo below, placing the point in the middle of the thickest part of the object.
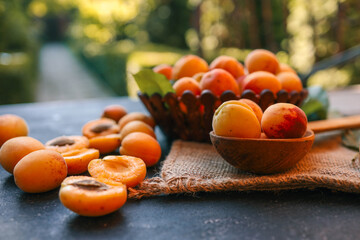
(284, 120)
(105, 144)
(100, 127)
(198, 76)
(261, 80)
(136, 116)
(188, 66)
(12, 126)
(67, 143)
(236, 119)
(14, 149)
(230, 64)
(290, 81)
(186, 83)
(92, 197)
(262, 60)
(77, 160)
(256, 108)
(40, 171)
(136, 126)
(125, 169)
(114, 112)
(218, 81)
(165, 70)
(285, 68)
(141, 145)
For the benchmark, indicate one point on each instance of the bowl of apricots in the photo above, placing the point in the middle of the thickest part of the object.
(197, 89)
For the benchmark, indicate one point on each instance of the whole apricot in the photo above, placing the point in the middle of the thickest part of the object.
(230, 64)
(285, 68)
(186, 83)
(67, 143)
(284, 120)
(261, 80)
(105, 144)
(137, 126)
(40, 171)
(188, 66)
(100, 127)
(198, 76)
(141, 145)
(236, 119)
(256, 108)
(92, 197)
(77, 160)
(262, 60)
(290, 81)
(218, 81)
(12, 126)
(114, 112)
(164, 69)
(14, 149)
(136, 116)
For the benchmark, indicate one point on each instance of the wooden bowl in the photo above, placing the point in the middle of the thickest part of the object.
(263, 155)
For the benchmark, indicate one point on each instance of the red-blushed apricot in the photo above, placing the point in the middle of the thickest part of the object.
(40, 171)
(198, 76)
(141, 145)
(285, 68)
(12, 126)
(186, 83)
(218, 81)
(114, 112)
(236, 119)
(240, 82)
(77, 160)
(284, 120)
(100, 127)
(67, 143)
(230, 64)
(125, 169)
(14, 149)
(106, 144)
(290, 81)
(136, 116)
(259, 81)
(164, 69)
(188, 66)
(256, 108)
(137, 126)
(262, 60)
(92, 197)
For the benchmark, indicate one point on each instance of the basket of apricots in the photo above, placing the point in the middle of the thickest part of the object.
(198, 89)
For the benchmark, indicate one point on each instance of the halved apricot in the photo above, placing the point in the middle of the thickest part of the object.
(77, 160)
(136, 116)
(92, 197)
(105, 144)
(126, 169)
(67, 143)
(100, 127)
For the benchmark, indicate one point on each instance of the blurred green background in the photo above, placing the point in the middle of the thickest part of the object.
(115, 38)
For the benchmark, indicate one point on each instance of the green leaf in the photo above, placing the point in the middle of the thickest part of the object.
(150, 82)
(316, 106)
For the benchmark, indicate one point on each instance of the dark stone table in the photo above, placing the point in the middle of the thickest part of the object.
(300, 214)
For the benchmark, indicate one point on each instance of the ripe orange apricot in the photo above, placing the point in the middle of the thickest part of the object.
(284, 120)
(165, 70)
(290, 81)
(67, 143)
(143, 146)
(40, 171)
(77, 160)
(12, 126)
(186, 83)
(218, 81)
(230, 64)
(136, 116)
(236, 119)
(198, 76)
(188, 66)
(105, 144)
(258, 81)
(114, 112)
(136, 126)
(262, 60)
(92, 197)
(256, 108)
(285, 68)
(14, 149)
(125, 169)
(100, 127)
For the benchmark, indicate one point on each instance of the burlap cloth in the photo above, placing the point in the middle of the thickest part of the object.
(196, 167)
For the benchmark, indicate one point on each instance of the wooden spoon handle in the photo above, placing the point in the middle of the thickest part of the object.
(335, 124)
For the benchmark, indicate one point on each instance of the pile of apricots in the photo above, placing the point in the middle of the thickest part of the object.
(261, 70)
(39, 167)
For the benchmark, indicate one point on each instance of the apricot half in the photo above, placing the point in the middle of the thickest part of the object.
(100, 127)
(12, 126)
(125, 169)
(92, 197)
(77, 160)
(67, 143)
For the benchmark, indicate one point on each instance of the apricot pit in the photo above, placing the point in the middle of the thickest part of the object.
(67, 143)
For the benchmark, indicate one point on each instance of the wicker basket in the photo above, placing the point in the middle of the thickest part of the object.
(194, 121)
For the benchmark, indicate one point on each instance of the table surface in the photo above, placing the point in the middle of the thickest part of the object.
(296, 214)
